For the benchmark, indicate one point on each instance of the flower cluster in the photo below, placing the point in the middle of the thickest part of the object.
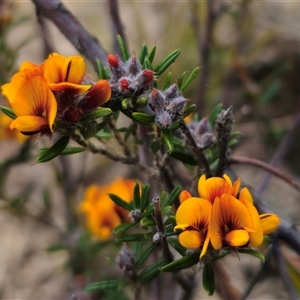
(219, 218)
(102, 215)
(167, 105)
(128, 79)
(55, 90)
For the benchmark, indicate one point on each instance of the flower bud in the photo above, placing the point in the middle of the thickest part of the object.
(156, 100)
(172, 92)
(163, 119)
(133, 66)
(176, 107)
(73, 114)
(126, 261)
(124, 84)
(113, 61)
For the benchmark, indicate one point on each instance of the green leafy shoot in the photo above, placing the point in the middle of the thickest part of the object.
(166, 62)
(144, 54)
(123, 47)
(102, 72)
(119, 201)
(192, 76)
(152, 54)
(47, 154)
(9, 112)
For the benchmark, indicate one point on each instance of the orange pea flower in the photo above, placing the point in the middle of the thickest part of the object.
(229, 222)
(31, 100)
(65, 73)
(101, 213)
(215, 187)
(192, 217)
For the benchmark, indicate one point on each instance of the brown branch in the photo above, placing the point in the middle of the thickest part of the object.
(204, 46)
(269, 168)
(72, 29)
(118, 28)
(281, 151)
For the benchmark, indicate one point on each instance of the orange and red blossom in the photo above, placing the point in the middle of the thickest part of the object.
(229, 222)
(31, 100)
(193, 217)
(101, 213)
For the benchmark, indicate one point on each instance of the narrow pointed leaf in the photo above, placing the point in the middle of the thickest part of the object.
(177, 246)
(252, 252)
(123, 47)
(147, 222)
(145, 201)
(190, 78)
(168, 81)
(103, 285)
(166, 62)
(168, 139)
(147, 64)
(122, 227)
(214, 114)
(145, 254)
(148, 274)
(180, 79)
(137, 196)
(119, 201)
(188, 110)
(152, 54)
(103, 135)
(182, 263)
(208, 279)
(9, 112)
(132, 237)
(72, 150)
(173, 196)
(97, 113)
(101, 71)
(47, 154)
(143, 118)
(144, 54)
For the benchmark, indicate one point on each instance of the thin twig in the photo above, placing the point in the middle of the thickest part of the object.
(223, 127)
(198, 151)
(112, 124)
(284, 272)
(281, 151)
(185, 284)
(72, 29)
(269, 168)
(118, 28)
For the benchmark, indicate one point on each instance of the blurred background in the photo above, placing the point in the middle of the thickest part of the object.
(249, 56)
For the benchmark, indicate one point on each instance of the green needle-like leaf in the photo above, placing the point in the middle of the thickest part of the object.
(190, 78)
(123, 47)
(9, 112)
(119, 201)
(208, 279)
(166, 62)
(47, 154)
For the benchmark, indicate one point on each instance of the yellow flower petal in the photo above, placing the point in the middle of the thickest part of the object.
(256, 237)
(236, 238)
(213, 187)
(191, 239)
(245, 195)
(269, 223)
(228, 214)
(30, 124)
(74, 69)
(184, 195)
(195, 212)
(58, 68)
(74, 89)
(34, 98)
